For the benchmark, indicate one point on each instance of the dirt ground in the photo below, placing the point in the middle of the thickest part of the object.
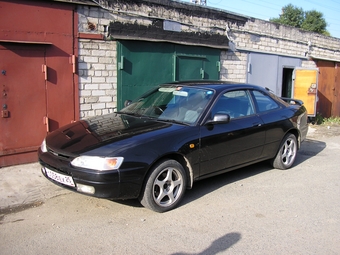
(323, 130)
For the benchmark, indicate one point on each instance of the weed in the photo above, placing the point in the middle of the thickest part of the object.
(319, 120)
(331, 121)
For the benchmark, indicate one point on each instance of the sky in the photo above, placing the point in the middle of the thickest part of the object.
(266, 9)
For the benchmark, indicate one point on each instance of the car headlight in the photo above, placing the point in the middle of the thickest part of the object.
(98, 163)
(43, 146)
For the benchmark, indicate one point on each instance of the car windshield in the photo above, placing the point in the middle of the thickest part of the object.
(171, 103)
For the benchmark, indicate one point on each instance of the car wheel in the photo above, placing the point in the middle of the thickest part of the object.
(286, 155)
(165, 186)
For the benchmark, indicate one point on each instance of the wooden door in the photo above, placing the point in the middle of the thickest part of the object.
(306, 87)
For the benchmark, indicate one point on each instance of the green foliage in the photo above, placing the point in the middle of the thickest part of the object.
(291, 16)
(314, 21)
(331, 121)
(319, 120)
(307, 20)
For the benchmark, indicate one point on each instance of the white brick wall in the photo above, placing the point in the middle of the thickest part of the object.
(97, 77)
(233, 66)
(284, 40)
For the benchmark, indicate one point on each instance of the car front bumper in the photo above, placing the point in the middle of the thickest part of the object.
(116, 184)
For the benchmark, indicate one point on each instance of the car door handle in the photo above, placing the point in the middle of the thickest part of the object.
(257, 124)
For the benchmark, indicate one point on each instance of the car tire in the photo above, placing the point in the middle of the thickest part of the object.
(286, 155)
(165, 186)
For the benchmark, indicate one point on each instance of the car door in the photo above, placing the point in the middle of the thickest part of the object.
(237, 142)
(275, 119)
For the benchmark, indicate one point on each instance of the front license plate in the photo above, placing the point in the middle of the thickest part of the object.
(61, 178)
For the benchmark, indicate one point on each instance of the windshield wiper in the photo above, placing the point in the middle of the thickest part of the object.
(130, 113)
(174, 121)
(137, 115)
(148, 117)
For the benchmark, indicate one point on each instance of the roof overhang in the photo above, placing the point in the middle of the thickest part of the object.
(323, 58)
(24, 42)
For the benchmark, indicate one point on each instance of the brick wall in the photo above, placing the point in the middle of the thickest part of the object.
(233, 66)
(97, 77)
(97, 58)
(96, 64)
(259, 35)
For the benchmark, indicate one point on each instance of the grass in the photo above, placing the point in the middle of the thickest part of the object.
(319, 120)
(331, 121)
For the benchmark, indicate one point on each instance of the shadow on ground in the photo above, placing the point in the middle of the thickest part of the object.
(309, 148)
(219, 245)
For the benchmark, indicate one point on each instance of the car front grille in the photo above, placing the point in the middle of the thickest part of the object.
(59, 155)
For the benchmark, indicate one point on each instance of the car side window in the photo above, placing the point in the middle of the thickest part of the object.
(235, 103)
(264, 102)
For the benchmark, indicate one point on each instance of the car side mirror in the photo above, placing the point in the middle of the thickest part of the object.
(219, 118)
(127, 103)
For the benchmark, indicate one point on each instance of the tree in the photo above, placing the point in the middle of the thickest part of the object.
(291, 16)
(315, 22)
(307, 20)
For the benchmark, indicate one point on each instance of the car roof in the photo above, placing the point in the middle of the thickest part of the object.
(216, 85)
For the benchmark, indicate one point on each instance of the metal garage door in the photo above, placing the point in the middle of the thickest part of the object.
(267, 70)
(23, 104)
(142, 65)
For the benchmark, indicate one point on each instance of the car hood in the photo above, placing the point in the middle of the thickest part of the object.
(86, 135)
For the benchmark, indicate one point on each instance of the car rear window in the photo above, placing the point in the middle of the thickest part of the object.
(264, 102)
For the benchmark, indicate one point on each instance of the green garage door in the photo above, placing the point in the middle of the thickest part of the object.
(143, 65)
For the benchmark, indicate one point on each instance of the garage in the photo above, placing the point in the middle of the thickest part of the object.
(142, 65)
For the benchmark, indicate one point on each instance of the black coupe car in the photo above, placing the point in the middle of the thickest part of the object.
(159, 145)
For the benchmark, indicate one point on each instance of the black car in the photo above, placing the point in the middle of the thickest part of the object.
(159, 145)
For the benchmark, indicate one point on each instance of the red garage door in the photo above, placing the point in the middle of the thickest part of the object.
(38, 79)
(23, 103)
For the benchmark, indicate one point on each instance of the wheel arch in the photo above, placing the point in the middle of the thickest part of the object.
(179, 158)
(297, 135)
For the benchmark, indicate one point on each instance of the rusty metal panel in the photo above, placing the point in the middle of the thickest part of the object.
(42, 87)
(336, 92)
(23, 97)
(35, 21)
(329, 103)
